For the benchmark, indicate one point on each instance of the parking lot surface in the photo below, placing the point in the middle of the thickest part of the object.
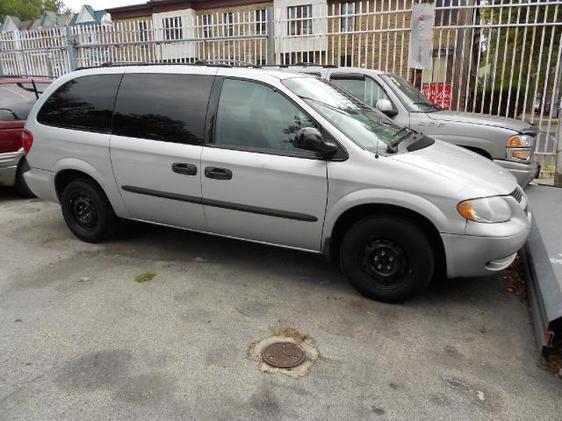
(80, 339)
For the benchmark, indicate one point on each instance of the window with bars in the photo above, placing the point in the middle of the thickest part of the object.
(228, 24)
(173, 29)
(142, 27)
(206, 22)
(444, 15)
(347, 20)
(261, 21)
(299, 20)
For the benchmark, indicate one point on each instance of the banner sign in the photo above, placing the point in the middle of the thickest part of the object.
(421, 36)
(438, 93)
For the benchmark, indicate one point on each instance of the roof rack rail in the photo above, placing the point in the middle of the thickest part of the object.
(226, 63)
(303, 64)
(209, 63)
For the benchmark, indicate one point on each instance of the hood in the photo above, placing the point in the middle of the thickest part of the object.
(482, 119)
(476, 175)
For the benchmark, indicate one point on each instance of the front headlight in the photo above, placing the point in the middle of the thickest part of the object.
(486, 210)
(519, 148)
(520, 141)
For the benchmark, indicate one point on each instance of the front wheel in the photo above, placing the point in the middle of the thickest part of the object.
(387, 258)
(87, 211)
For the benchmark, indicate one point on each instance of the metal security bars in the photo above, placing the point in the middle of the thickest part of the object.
(499, 57)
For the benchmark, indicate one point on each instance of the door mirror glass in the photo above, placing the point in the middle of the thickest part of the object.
(310, 139)
(385, 107)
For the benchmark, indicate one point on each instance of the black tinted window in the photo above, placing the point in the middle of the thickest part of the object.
(84, 103)
(170, 108)
(16, 99)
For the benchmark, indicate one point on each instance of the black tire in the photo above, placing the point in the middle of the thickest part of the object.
(21, 186)
(87, 211)
(387, 258)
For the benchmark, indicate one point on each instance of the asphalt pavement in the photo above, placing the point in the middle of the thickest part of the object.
(80, 339)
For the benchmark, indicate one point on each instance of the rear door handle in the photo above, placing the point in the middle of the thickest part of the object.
(218, 173)
(184, 168)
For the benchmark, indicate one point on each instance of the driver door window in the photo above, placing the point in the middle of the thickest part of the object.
(253, 117)
(367, 90)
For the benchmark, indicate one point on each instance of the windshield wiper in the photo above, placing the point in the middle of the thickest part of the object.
(393, 145)
(12, 112)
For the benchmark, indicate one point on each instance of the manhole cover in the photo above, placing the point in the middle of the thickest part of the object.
(283, 355)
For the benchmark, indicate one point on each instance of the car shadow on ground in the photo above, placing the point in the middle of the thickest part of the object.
(152, 242)
(8, 194)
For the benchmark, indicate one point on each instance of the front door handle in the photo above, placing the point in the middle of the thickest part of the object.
(184, 168)
(218, 173)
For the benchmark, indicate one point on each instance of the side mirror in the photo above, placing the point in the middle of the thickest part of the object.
(385, 107)
(310, 139)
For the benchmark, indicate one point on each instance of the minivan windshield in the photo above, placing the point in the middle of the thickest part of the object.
(366, 126)
(411, 97)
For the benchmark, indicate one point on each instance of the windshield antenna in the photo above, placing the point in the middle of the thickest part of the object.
(377, 150)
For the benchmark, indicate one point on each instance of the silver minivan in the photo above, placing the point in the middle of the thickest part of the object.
(276, 158)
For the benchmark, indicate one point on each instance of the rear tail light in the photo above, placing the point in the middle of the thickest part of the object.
(26, 141)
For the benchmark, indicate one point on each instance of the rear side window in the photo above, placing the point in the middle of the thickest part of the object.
(16, 100)
(84, 103)
(367, 90)
(165, 107)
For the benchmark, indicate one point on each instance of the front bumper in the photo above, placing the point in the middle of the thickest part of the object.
(523, 172)
(479, 255)
(8, 167)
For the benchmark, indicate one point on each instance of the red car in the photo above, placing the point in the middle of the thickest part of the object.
(17, 96)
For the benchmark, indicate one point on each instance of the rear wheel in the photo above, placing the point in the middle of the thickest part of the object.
(87, 211)
(387, 258)
(21, 186)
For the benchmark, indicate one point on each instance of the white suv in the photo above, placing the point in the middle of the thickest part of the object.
(276, 158)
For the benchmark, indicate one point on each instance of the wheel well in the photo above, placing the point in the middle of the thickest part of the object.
(351, 216)
(66, 176)
(478, 151)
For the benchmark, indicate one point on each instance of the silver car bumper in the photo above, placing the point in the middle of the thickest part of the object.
(472, 255)
(523, 172)
(8, 167)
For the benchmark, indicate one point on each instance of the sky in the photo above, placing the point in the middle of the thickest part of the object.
(100, 4)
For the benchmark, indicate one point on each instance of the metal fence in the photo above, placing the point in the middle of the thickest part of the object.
(501, 57)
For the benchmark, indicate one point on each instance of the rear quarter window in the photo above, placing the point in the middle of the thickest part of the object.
(85, 103)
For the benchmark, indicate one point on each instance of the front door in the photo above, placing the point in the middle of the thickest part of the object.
(156, 147)
(256, 184)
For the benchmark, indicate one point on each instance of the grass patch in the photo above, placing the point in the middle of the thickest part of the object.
(145, 277)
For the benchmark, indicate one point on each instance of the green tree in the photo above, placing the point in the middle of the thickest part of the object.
(29, 9)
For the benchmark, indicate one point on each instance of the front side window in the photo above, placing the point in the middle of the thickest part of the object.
(367, 90)
(299, 20)
(173, 29)
(254, 117)
(164, 107)
(347, 10)
(84, 103)
(410, 96)
(366, 126)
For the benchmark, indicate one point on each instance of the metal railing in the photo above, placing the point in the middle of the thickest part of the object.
(499, 57)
